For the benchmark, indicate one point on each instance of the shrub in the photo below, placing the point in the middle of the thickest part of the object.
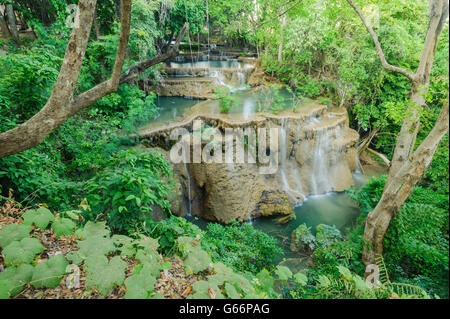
(132, 184)
(241, 247)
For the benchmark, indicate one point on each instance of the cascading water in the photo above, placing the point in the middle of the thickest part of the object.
(294, 193)
(319, 172)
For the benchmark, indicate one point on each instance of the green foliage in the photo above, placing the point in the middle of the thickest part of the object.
(92, 229)
(226, 101)
(240, 247)
(13, 232)
(304, 239)
(63, 226)
(49, 273)
(416, 243)
(94, 246)
(40, 217)
(14, 278)
(140, 284)
(326, 235)
(103, 274)
(23, 251)
(133, 183)
(197, 260)
(169, 230)
(192, 11)
(283, 273)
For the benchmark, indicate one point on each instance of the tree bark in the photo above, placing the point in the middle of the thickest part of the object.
(12, 22)
(4, 27)
(400, 187)
(61, 104)
(407, 166)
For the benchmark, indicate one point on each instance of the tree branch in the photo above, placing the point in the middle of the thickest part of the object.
(140, 67)
(384, 63)
(61, 104)
(279, 15)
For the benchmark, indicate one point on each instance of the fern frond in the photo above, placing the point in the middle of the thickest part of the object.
(384, 275)
(403, 289)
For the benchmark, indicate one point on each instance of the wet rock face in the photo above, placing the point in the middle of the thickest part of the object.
(315, 154)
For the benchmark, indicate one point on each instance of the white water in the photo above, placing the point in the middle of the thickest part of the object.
(294, 193)
(320, 165)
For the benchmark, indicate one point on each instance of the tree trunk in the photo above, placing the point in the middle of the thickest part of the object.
(407, 167)
(61, 104)
(4, 27)
(12, 22)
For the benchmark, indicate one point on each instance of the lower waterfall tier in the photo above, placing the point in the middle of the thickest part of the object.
(315, 154)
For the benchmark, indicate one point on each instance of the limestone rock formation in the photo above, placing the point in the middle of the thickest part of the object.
(315, 154)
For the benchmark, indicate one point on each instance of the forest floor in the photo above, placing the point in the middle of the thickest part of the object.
(173, 283)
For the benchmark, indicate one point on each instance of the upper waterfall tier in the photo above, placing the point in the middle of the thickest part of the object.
(200, 78)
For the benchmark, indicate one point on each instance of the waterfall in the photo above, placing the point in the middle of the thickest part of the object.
(319, 176)
(248, 109)
(294, 193)
(241, 79)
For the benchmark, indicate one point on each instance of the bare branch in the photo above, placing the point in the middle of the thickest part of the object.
(438, 17)
(384, 63)
(140, 67)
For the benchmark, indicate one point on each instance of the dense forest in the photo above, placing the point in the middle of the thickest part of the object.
(93, 206)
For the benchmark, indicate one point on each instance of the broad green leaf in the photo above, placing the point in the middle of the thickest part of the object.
(141, 284)
(265, 279)
(125, 245)
(104, 275)
(22, 251)
(12, 233)
(95, 246)
(156, 295)
(40, 217)
(16, 278)
(49, 273)
(300, 278)
(185, 244)
(151, 260)
(231, 291)
(92, 229)
(204, 290)
(283, 272)
(197, 260)
(64, 226)
(5, 289)
(74, 257)
(149, 244)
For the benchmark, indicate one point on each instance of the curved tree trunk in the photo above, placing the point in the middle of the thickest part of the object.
(407, 165)
(62, 104)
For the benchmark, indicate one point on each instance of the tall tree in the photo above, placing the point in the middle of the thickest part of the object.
(407, 165)
(62, 104)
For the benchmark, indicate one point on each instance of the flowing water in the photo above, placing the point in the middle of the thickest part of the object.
(331, 208)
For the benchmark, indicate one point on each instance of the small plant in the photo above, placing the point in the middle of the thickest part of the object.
(226, 101)
(303, 239)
